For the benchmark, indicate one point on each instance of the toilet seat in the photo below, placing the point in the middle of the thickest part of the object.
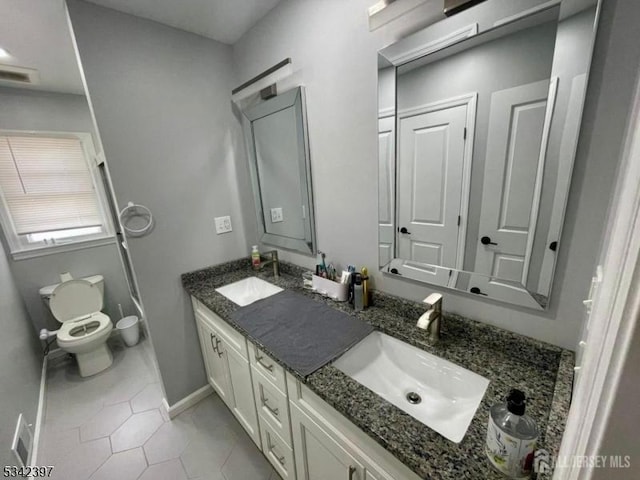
(71, 333)
(75, 299)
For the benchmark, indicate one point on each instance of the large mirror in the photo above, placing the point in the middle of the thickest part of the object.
(276, 138)
(478, 123)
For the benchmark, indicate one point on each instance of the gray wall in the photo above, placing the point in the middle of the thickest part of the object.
(56, 112)
(20, 362)
(161, 99)
(339, 72)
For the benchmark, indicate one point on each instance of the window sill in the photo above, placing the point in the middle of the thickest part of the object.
(67, 247)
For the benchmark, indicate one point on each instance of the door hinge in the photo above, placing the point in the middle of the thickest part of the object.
(464, 136)
(459, 220)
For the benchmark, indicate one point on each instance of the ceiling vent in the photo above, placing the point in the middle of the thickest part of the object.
(11, 75)
(451, 7)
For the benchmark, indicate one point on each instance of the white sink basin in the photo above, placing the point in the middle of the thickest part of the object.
(449, 394)
(248, 290)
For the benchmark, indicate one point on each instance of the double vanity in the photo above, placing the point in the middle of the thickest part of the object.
(428, 415)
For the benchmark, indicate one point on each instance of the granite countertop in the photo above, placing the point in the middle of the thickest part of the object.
(544, 372)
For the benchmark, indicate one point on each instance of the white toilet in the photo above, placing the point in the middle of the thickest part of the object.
(76, 304)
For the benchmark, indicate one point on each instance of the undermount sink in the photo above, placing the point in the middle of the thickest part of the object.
(248, 290)
(436, 392)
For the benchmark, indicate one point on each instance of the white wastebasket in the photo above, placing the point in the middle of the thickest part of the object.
(129, 329)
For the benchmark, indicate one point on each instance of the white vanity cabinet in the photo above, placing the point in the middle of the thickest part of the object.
(270, 390)
(299, 433)
(327, 445)
(225, 354)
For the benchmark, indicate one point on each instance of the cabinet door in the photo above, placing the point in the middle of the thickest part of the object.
(318, 456)
(215, 364)
(243, 404)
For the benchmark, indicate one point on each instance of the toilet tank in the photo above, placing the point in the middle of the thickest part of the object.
(97, 280)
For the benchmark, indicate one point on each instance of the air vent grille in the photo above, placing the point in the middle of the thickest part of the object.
(12, 74)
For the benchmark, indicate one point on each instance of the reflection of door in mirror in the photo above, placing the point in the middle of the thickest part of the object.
(386, 190)
(512, 180)
(430, 171)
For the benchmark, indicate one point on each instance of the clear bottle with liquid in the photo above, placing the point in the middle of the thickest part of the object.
(511, 437)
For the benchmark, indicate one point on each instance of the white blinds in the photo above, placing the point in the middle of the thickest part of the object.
(47, 184)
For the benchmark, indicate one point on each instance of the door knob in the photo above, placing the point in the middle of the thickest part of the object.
(477, 291)
(404, 230)
(487, 241)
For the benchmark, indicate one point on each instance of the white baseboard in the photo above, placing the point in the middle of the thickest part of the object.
(187, 402)
(40, 414)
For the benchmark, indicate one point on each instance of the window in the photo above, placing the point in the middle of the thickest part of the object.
(50, 191)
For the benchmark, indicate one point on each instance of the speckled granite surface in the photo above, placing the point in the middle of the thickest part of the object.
(508, 360)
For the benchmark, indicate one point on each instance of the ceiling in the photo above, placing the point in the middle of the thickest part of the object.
(222, 20)
(36, 35)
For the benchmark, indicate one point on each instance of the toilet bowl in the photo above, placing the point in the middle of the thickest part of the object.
(84, 330)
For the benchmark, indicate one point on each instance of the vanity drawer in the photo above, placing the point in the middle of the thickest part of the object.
(272, 406)
(268, 367)
(277, 452)
(234, 338)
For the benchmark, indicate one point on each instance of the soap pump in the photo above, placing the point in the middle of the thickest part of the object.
(511, 436)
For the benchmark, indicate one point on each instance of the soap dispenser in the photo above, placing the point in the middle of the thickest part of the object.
(511, 437)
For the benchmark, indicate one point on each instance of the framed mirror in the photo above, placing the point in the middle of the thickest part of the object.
(478, 117)
(278, 150)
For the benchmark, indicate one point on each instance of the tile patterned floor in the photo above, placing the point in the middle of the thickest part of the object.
(113, 426)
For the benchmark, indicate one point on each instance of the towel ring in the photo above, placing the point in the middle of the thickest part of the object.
(135, 210)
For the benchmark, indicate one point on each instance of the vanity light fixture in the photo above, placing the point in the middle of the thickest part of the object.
(4, 53)
(378, 7)
(451, 7)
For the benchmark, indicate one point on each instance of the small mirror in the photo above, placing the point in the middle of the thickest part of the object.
(478, 121)
(278, 149)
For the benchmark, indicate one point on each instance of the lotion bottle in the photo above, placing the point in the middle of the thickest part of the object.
(255, 257)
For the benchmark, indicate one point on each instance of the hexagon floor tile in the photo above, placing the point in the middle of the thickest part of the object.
(136, 430)
(105, 422)
(169, 470)
(112, 425)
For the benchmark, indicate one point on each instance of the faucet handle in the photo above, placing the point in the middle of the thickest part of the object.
(433, 299)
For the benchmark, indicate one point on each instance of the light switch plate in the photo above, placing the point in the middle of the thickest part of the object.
(223, 225)
(276, 215)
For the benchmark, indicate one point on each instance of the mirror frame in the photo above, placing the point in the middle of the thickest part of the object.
(437, 37)
(295, 99)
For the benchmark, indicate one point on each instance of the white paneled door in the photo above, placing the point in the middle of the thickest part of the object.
(430, 182)
(386, 190)
(511, 180)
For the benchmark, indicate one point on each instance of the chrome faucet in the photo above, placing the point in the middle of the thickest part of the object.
(431, 320)
(271, 260)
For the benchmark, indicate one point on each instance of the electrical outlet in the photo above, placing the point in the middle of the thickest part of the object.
(223, 225)
(276, 215)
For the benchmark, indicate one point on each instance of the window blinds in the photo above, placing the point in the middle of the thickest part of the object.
(46, 184)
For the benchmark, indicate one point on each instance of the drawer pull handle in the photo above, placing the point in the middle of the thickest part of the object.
(216, 348)
(262, 364)
(352, 471)
(212, 345)
(280, 458)
(274, 411)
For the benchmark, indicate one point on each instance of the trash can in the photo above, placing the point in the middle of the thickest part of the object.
(129, 329)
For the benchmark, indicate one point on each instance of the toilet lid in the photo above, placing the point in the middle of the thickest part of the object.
(74, 299)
